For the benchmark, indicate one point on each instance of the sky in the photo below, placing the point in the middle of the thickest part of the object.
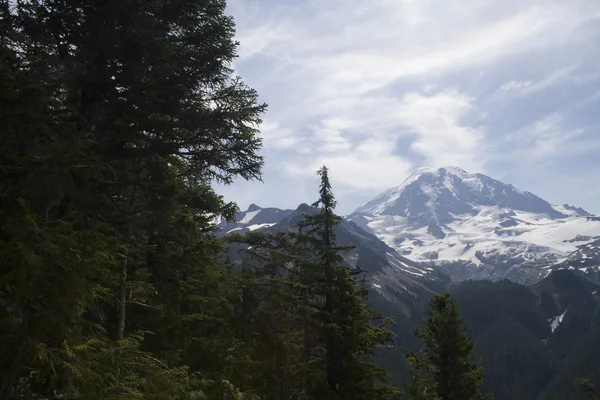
(375, 89)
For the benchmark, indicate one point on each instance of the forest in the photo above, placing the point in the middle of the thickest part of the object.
(118, 119)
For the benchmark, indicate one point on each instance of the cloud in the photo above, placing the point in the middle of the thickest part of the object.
(277, 137)
(364, 156)
(548, 140)
(512, 86)
(548, 137)
(442, 136)
(370, 166)
(374, 88)
(329, 135)
(521, 88)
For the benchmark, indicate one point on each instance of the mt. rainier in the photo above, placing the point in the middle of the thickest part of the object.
(477, 227)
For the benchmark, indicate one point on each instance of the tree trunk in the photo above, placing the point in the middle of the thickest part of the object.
(9, 381)
(329, 307)
(121, 307)
(122, 300)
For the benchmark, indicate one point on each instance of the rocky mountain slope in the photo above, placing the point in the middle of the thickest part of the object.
(254, 218)
(395, 278)
(479, 228)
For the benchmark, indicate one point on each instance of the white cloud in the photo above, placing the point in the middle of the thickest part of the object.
(442, 136)
(528, 87)
(329, 135)
(276, 137)
(544, 140)
(515, 86)
(373, 88)
(371, 166)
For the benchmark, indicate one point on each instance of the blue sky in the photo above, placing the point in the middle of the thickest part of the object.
(377, 88)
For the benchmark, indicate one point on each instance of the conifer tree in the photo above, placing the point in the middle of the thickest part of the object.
(348, 334)
(446, 367)
(309, 327)
(271, 314)
(588, 387)
(117, 117)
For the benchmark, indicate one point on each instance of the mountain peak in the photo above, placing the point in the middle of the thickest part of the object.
(253, 207)
(435, 194)
(433, 171)
(306, 209)
(453, 216)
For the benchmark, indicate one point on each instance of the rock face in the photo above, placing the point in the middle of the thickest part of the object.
(253, 218)
(477, 227)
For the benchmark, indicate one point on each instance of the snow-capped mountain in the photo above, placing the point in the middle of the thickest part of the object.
(478, 227)
(586, 260)
(254, 218)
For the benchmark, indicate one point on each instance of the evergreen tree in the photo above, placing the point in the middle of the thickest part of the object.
(117, 117)
(588, 387)
(303, 316)
(446, 367)
(347, 332)
(271, 317)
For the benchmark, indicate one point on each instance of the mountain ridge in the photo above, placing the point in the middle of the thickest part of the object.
(399, 280)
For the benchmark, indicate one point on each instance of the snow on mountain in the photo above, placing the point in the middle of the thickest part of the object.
(253, 218)
(586, 259)
(477, 226)
(556, 321)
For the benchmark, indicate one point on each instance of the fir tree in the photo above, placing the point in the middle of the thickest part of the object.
(117, 117)
(588, 387)
(348, 334)
(303, 316)
(446, 367)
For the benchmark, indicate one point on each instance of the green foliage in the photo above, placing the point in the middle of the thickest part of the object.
(588, 387)
(305, 317)
(522, 357)
(117, 117)
(446, 367)
(348, 336)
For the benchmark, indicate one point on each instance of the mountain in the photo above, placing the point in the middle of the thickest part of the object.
(394, 278)
(533, 340)
(585, 259)
(477, 227)
(253, 218)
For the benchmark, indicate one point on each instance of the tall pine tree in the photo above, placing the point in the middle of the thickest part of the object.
(304, 315)
(347, 333)
(446, 367)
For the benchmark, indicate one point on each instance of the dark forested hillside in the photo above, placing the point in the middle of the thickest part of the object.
(534, 341)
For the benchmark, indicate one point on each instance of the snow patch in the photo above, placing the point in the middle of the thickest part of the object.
(249, 216)
(259, 226)
(556, 321)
